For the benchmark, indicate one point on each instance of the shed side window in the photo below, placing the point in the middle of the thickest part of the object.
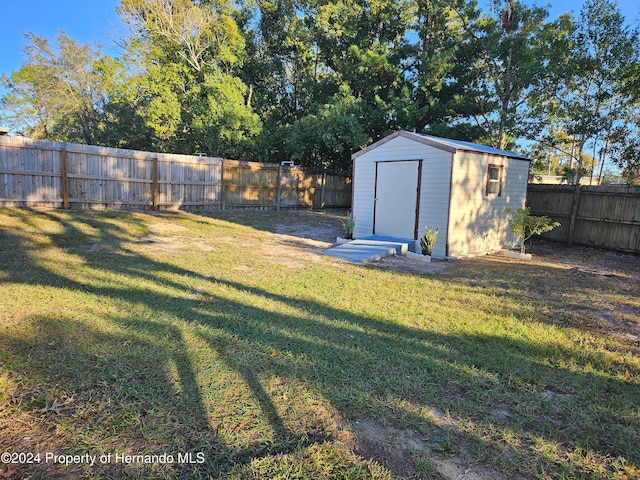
(494, 180)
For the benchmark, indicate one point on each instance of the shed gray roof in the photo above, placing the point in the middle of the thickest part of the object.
(446, 144)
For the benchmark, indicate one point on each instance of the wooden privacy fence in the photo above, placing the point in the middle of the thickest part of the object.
(605, 216)
(37, 173)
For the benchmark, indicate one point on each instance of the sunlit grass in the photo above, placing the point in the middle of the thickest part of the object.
(179, 332)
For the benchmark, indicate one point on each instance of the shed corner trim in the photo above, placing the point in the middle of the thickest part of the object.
(432, 142)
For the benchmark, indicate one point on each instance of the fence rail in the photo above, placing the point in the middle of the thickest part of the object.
(604, 216)
(37, 173)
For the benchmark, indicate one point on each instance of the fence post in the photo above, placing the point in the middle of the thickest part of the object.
(324, 189)
(155, 184)
(279, 187)
(574, 214)
(65, 179)
(222, 171)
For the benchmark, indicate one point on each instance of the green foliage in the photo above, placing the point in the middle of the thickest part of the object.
(428, 240)
(525, 225)
(508, 51)
(327, 137)
(590, 92)
(187, 53)
(625, 144)
(572, 176)
(314, 81)
(58, 93)
(348, 224)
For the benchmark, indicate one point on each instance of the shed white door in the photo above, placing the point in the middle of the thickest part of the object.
(396, 198)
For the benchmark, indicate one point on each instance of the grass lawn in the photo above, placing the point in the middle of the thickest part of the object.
(178, 345)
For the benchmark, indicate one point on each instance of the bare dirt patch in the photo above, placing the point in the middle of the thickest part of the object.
(176, 244)
(415, 455)
(585, 259)
(603, 275)
(396, 448)
(161, 228)
(297, 241)
(407, 265)
(170, 237)
(320, 233)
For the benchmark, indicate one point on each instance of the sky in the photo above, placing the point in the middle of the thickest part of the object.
(85, 21)
(88, 21)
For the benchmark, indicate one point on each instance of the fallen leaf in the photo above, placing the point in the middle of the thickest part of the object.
(69, 400)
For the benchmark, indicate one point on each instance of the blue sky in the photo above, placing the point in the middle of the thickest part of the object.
(83, 20)
(96, 21)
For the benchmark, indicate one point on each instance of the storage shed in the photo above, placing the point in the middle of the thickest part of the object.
(407, 181)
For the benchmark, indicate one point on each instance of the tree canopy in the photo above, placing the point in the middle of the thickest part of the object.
(315, 80)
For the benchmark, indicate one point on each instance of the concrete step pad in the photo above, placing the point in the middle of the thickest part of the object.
(370, 249)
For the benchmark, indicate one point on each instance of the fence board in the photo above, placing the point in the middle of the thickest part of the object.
(250, 184)
(337, 191)
(32, 173)
(607, 216)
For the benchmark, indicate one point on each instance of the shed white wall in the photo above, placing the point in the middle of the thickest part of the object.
(434, 200)
(434, 196)
(478, 223)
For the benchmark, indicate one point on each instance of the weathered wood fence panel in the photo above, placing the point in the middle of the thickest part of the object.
(36, 173)
(250, 184)
(337, 190)
(607, 216)
(30, 176)
(300, 187)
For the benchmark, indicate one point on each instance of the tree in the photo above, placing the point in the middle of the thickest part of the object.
(286, 77)
(525, 225)
(434, 66)
(588, 100)
(554, 156)
(315, 60)
(58, 92)
(326, 138)
(625, 137)
(362, 43)
(185, 55)
(508, 54)
(123, 114)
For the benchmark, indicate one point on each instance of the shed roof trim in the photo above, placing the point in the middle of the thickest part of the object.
(448, 145)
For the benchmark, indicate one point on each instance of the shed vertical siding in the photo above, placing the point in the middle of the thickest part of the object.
(479, 223)
(434, 199)
(434, 196)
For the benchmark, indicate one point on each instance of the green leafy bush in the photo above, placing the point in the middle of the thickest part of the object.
(525, 225)
(428, 240)
(348, 224)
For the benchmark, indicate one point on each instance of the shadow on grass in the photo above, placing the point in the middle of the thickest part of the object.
(238, 371)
